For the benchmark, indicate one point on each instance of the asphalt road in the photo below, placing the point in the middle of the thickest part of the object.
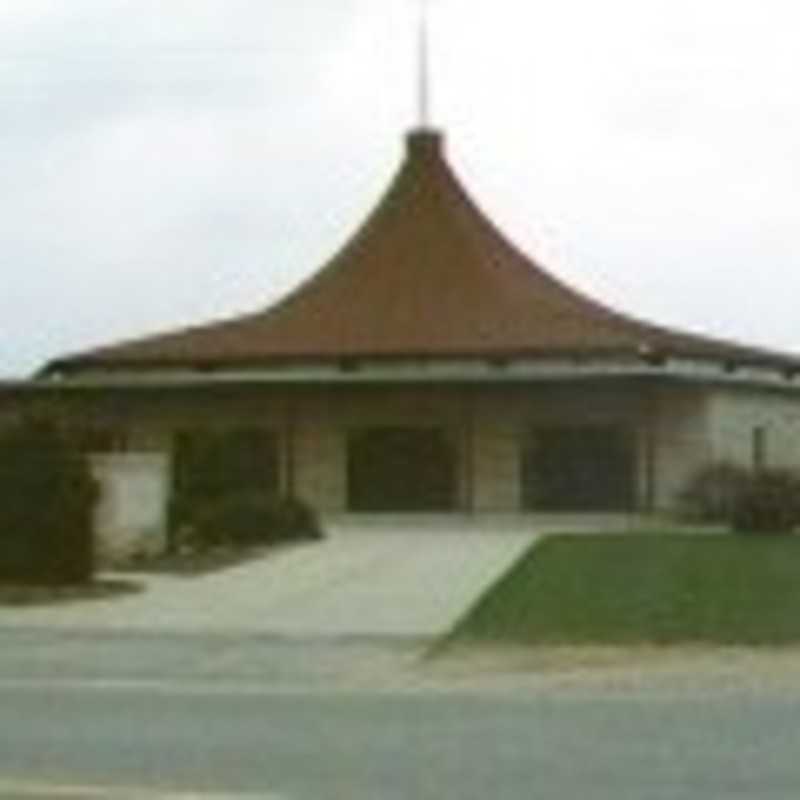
(215, 717)
(399, 745)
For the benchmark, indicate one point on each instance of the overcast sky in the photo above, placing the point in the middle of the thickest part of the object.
(165, 162)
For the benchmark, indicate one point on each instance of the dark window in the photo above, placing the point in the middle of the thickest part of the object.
(579, 469)
(401, 469)
(759, 447)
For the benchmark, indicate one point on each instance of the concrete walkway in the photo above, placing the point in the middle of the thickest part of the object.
(411, 577)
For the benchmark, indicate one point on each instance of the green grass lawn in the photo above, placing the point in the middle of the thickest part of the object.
(635, 589)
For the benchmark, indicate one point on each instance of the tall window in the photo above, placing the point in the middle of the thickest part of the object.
(759, 447)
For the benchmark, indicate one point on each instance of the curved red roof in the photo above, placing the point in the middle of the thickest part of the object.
(427, 275)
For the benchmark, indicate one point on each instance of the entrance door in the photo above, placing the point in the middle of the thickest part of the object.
(401, 469)
(579, 469)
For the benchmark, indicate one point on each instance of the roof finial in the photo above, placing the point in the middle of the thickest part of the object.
(424, 67)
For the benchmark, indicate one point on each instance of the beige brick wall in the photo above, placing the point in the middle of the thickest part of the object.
(496, 463)
(323, 419)
(696, 427)
(488, 426)
(736, 413)
(505, 418)
(320, 465)
(131, 515)
(680, 418)
(678, 429)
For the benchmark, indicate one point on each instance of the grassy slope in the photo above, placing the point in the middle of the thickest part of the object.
(626, 589)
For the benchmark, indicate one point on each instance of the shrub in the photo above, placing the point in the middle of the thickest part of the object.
(250, 518)
(210, 466)
(46, 499)
(292, 518)
(713, 493)
(770, 503)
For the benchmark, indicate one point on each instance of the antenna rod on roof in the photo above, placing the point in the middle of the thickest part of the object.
(424, 67)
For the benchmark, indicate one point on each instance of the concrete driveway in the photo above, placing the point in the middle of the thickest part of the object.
(386, 577)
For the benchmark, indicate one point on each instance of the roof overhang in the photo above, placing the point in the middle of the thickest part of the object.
(416, 371)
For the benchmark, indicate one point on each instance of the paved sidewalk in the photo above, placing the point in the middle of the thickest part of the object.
(398, 577)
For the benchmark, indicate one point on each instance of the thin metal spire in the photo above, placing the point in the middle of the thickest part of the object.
(424, 87)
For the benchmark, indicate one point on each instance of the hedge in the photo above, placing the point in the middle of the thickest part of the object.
(47, 496)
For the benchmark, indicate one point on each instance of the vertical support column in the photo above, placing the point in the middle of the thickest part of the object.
(649, 449)
(289, 444)
(468, 452)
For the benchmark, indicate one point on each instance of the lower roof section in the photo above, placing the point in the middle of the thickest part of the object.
(436, 371)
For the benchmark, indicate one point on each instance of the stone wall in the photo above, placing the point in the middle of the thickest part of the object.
(488, 426)
(131, 515)
(737, 414)
(677, 429)
(320, 466)
(323, 419)
(679, 419)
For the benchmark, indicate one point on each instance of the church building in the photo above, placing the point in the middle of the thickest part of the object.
(430, 366)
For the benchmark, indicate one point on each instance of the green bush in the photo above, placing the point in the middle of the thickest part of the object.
(211, 466)
(769, 503)
(292, 518)
(249, 518)
(713, 493)
(47, 496)
(238, 520)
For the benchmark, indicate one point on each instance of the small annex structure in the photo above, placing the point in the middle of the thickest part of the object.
(432, 366)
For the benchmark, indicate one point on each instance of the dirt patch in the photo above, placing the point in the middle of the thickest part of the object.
(196, 563)
(189, 564)
(619, 669)
(20, 596)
